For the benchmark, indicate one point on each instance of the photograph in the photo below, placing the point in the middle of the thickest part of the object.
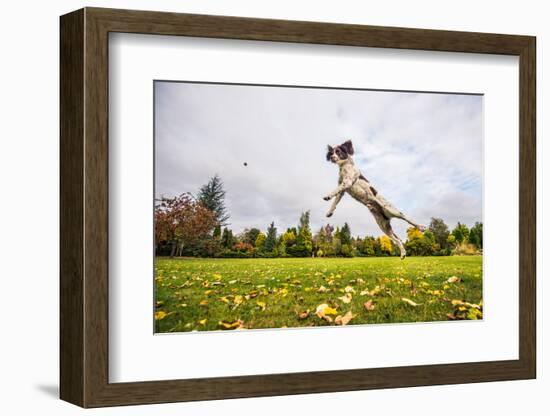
(285, 206)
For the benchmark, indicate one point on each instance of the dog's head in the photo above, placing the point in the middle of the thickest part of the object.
(340, 153)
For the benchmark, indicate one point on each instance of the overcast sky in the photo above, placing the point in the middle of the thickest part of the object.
(422, 151)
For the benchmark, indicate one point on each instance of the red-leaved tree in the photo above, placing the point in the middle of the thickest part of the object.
(182, 222)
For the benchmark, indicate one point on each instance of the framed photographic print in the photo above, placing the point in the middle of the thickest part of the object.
(255, 207)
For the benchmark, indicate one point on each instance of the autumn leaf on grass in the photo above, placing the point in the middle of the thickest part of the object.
(261, 305)
(224, 299)
(453, 279)
(217, 276)
(322, 289)
(203, 302)
(252, 294)
(203, 321)
(160, 315)
(238, 324)
(343, 320)
(410, 302)
(237, 301)
(303, 314)
(369, 306)
(349, 289)
(346, 298)
(323, 310)
(159, 303)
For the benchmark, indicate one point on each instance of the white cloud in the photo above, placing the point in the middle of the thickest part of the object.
(422, 151)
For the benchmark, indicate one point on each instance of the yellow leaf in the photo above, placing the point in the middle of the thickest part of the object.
(410, 302)
(207, 292)
(369, 306)
(203, 302)
(160, 315)
(453, 279)
(203, 321)
(238, 324)
(323, 310)
(349, 289)
(343, 320)
(224, 299)
(261, 305)
(217, 276)
(322, 289)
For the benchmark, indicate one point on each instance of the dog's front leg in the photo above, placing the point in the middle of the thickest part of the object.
(344, 186)
(334, 203)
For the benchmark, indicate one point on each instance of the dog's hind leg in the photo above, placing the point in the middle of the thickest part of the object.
(392, 212)
(385, 225)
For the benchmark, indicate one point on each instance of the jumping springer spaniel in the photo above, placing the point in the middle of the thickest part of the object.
(354, 183)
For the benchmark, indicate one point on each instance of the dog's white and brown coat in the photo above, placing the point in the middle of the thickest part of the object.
(351, 180)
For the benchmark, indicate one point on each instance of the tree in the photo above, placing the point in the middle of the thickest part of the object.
(249, 235)
(368, 248)
(304, 240)
(476, 235)
(217, 232)
(461, 233)
(227, 240)
(212, 196)
(440, 231)
(345, 234)
(385, 245)
(289, 240)
(271, 238)
(420, 244)
(260, 242)
(183, 222)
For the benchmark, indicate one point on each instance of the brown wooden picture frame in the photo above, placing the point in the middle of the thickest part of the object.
(84, 207)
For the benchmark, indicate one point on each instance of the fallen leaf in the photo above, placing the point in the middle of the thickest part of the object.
(303, 314)
(410, 302)
(349, 289)
(369, 306)
(261, 305)
(323, 310)
(238, 324)
(453, 279)
(343, 320)
(346, 298)
(203, 302)
(160, 315)
(203, 321)
(322, 289)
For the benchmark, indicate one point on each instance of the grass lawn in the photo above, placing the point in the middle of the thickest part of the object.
(213, 294)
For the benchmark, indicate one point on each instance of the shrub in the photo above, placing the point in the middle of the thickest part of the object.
(465, 249)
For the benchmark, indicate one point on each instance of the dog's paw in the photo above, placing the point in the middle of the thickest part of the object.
(329, 214)
(327, 198)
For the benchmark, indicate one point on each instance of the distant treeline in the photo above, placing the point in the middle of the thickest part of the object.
(197, 226)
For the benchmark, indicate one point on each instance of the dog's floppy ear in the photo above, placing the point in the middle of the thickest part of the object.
(329, 151)
(348, 146)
